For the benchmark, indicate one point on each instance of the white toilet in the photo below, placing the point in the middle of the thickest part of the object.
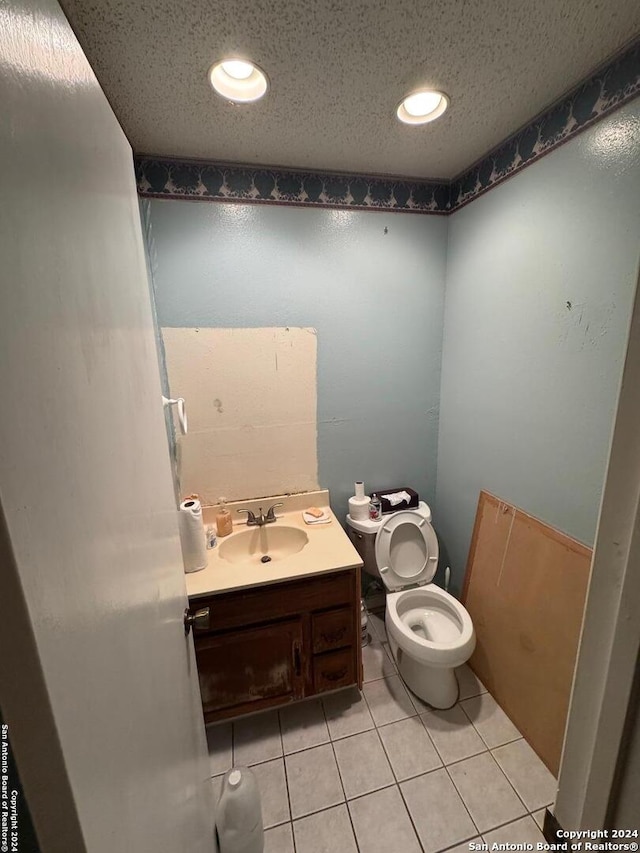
(430, 632)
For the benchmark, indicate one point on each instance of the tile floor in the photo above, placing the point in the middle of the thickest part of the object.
(380, 772)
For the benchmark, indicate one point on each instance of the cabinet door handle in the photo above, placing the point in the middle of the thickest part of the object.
(297, 663)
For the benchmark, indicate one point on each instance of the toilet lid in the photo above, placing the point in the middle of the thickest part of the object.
(406, 551)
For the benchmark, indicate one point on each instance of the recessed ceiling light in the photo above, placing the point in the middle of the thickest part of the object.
(422, 106)
(238, 80)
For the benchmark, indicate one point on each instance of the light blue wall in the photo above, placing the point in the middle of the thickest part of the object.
(529, 385)
(376, 299)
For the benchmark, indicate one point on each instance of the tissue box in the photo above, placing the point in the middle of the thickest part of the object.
(386, 506)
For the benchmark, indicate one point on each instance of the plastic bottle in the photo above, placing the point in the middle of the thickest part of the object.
(364, 620)
(210, 536)
(224, 522)
(239, 814)
(375, 508)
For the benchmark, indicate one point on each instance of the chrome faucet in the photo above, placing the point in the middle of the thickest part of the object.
(260, 520)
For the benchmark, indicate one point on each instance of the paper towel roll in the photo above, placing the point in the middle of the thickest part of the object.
(359, 487)
(359, 508)
(192, 537)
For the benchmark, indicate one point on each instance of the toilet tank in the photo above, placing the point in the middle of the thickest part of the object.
(365, 544)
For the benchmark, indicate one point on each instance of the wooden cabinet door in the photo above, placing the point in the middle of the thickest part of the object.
(243, 671)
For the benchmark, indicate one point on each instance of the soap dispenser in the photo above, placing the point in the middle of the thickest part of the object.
(224, 522)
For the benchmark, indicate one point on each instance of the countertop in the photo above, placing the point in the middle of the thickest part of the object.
(329, 549)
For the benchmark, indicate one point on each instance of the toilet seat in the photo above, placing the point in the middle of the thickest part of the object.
(406, 549)
(452, 635)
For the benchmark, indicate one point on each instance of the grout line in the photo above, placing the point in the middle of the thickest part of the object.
(397, 785)
(393, 773)
(379, 678)
(461, 798)
(446, 766)
(453, 846)
(508, 742)
(345, 803)
(510, 783)
(286, 783)
(451, 778)
(467, 757)
(480, 735)
(408, 811)
(335, 758)
(435, 746)
(509, 822)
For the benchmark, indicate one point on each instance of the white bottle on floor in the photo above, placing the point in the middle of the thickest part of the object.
(239, 814)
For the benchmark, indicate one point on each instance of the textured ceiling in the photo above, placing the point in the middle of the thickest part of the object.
(337, 70)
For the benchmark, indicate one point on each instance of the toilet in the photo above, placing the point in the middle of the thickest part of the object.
(430, 632)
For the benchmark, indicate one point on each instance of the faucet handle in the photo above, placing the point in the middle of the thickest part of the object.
(271, 512)
(251, 519)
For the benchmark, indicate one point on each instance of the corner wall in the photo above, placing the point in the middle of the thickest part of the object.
(541, 273)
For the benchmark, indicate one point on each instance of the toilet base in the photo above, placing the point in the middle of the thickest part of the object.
(437, 686)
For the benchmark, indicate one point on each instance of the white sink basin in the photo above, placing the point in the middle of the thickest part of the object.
(273, 541)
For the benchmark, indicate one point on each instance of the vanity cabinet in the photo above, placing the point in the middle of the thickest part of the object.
(270, 645)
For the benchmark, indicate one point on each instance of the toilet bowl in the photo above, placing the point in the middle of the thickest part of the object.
(430, 632)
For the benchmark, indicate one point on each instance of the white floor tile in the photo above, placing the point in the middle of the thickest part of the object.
(532, 780)
(220, 751)
(376, 663)
(493, 725)
(388, 700)
(303, 726)
(314, 783)
(438, 813)
(486, 792)
(347, 713)
(363, 764)
(273, 792)
(256, 739)
(523, 831)
(469, 683)
(279, 839)
(382, 824)
(539, 817)
(325, 832)
(409, 748)
(453, 734)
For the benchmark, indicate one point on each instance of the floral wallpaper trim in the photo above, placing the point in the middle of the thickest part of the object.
(604, 92)
(161, 177)
(607, 90)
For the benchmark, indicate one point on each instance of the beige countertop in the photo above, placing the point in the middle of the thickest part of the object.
(328, 549)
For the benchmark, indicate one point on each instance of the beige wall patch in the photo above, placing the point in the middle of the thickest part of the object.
(251, 401)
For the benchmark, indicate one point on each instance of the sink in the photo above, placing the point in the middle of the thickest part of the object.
(251, 546)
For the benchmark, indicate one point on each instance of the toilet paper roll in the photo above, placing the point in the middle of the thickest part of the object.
(359, 508)
(359, 487)
(192, 536)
